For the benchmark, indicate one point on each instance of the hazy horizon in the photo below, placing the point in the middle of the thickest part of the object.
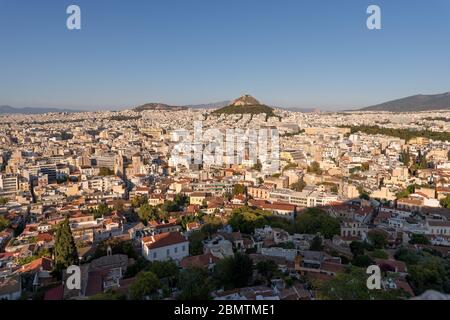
(298, 54)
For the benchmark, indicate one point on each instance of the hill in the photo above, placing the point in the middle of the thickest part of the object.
(28, 110)
(418, 102)
(246, 105)
(158, 106)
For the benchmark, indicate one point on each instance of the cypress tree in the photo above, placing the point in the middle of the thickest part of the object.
(65, 248)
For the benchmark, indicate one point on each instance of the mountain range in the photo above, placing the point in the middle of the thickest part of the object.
(166, 107)
(29, 110)
(418, 102)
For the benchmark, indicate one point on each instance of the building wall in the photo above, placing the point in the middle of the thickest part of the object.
(174, 252)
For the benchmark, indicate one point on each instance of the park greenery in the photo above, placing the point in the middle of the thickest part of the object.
(426, 271)
(312, 221)
(351, 285)
(405, 134)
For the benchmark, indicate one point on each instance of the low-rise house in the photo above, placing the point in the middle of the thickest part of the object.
(438, 227)
(165, 246)
(354, 229)
(218, 247)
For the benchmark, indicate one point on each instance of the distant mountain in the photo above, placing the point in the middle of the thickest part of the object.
(246, 105)
(213, 105)
(158, 106)
(28, 110)
(418, 102)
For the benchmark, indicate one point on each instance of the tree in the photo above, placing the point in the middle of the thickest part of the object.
(164, 269)
(351, 285)
(428, 274)
(118, 246)
(105, 172)
(4, 223)
(362, 261)
(138, 201)
(146, 212)
(238, 189)
(257, 166)
(246, 219)
(315, 221)
(446, 202)
(234, 272)
(3, 201)
(298, 186)
(196, 242)
(419, 239)
(102, 210)
(315, 168)
(194, 284)
(267, 269)
(407, 256)
(65, 250)
(379, 254)
(357, 248)
(316, 244)
(146, 284)
(363, 193)
(378, 239)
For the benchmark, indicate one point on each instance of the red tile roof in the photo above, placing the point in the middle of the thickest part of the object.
(201, 261)
(163, 240)
(44, 262)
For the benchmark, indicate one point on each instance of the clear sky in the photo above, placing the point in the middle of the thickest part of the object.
(296, 53)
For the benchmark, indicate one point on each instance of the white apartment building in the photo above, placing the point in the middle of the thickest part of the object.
(303, 199)
(165, 246)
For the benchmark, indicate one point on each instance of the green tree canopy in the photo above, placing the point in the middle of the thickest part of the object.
(3, 201)
(145, 285)
(267, 268)
(315, 221)
(378, 239)
(314, 168)
(246, 219)
(446, 202)
(362, 261)
(234, 272)
(194, 284)
(298, 186)
(65, 250)
(4, 223)
(238, 189)
(419, 239)
(351, 285)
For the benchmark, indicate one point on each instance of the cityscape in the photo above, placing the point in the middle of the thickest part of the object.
(103, 191)
(122, 177)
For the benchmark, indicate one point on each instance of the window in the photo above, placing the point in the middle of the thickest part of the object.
(184, 248)
(168, 251)
(176, 249)
(154, 255)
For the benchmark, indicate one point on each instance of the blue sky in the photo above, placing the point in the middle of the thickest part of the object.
(296, 53)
